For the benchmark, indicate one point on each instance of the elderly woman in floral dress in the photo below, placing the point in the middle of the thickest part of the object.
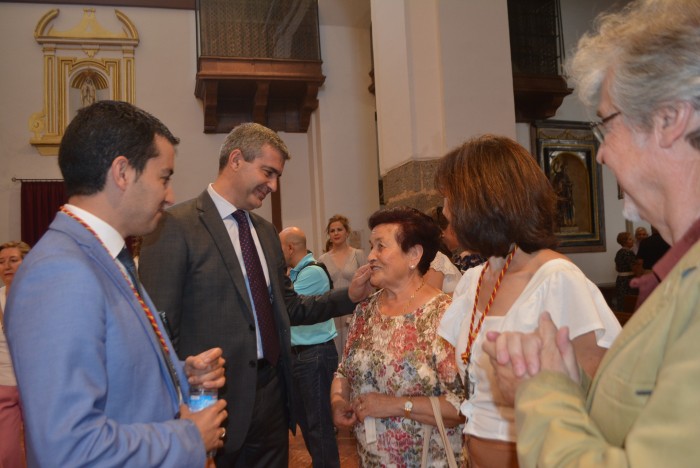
(394, 360)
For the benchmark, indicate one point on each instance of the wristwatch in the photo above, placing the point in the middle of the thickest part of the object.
(407, 408)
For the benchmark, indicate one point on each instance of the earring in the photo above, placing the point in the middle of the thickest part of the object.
(412, 267)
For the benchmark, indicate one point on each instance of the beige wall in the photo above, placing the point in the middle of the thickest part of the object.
(333, 167)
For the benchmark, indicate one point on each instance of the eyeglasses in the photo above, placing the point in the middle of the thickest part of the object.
(599, 129)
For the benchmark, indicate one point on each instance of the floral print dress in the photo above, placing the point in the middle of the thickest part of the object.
(401, 356)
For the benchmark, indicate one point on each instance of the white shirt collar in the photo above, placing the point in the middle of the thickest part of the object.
(106, 233)
(223, 206)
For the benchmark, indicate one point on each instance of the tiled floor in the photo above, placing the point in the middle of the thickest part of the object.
(299, 457)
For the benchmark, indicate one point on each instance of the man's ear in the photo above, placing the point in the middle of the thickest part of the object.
(235, 158)
(671, 122)
(119, 172)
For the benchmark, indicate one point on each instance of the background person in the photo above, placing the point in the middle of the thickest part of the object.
(651, 249)
(500, 203)
(625, 260)
(443, 274)
(461, 258)
(394, 360)
(640, 70)
(11, 449)
(639, 235)
(227, 283)
(342, 261)
(314, 358)
(99, 381)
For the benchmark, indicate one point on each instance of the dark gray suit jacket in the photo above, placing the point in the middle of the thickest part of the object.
(190, 269)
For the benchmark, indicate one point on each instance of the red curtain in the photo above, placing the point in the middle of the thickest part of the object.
(41, 200)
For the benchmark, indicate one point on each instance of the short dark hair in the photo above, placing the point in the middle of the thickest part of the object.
(415, 228)
(497, 196)
(100, 133)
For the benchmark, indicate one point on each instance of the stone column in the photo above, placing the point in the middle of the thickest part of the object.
(443, 75)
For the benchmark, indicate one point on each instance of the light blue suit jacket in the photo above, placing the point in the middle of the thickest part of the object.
(94, 385)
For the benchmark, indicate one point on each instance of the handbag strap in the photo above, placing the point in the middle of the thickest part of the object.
(427, 433)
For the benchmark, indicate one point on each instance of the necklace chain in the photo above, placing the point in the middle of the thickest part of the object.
(410, 299)
(474, 331)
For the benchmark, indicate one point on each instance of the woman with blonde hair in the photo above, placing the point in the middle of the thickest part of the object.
(11, 452)
(341, 260)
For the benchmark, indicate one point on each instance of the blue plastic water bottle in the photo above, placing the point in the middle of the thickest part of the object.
(201, 398)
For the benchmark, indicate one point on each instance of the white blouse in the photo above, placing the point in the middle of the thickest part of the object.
(451, 273)
(7, 374)
(558, 287)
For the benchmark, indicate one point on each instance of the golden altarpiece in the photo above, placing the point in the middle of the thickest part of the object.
(82, 65)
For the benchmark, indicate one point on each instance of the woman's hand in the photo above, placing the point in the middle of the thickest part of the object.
(376, 405)
(343, 414)
(341, 409)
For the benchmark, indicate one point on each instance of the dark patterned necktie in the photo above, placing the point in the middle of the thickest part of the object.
(258, 289)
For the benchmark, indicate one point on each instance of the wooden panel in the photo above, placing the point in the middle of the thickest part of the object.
(280, 94)
(173, 4)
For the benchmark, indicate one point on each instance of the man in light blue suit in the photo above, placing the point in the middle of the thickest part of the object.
(99, 381)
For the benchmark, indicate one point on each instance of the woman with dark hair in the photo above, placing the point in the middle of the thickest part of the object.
(500, 204)
(11, 448)
(394, 360)
(462, 258)
(442, 274)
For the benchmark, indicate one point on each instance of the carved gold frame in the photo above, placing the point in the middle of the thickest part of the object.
(81, 65)
(569, 149)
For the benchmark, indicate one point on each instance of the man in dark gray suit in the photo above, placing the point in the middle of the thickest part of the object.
(218, 272)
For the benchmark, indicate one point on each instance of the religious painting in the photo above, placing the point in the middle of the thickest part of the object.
(566, 151)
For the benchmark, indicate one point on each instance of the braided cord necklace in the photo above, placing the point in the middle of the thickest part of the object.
(474, 331)
(146, 309)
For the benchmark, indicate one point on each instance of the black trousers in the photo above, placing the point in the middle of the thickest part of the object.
(267, 441)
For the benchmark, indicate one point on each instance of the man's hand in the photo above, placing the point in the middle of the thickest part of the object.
(517, 356)
(206, 369)
(209, 421)
(359, 287)
(557, 350)
(506, 379)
